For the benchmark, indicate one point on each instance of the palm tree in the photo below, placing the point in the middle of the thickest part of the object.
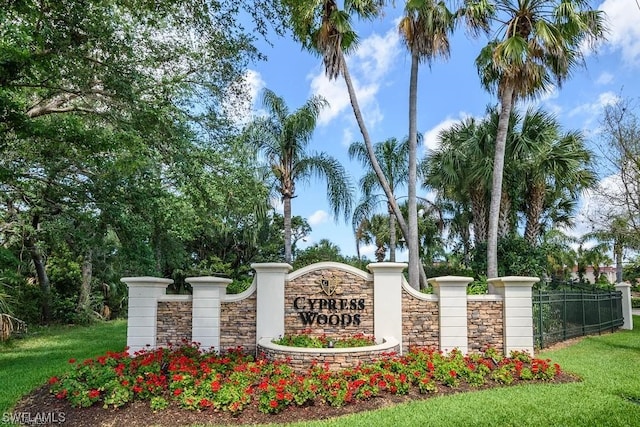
(538, 41)
(325, 29)
(460, 169)
(553, 166)
(392, 157)
(425, 29)
(376, 229)
(282, 138)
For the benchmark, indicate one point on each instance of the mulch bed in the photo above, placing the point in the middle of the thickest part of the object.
(138, 413)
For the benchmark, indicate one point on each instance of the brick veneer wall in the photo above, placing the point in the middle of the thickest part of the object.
(174, 322)
(485, 326)
(238, 324)
(420, 322)
(350, 286)
(300, 362)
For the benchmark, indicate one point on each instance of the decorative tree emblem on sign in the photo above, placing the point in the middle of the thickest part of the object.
(329, 286)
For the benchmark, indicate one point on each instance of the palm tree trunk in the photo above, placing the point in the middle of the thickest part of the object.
(286, 201)
(506, 102)
(412, 240)
(504, 223)
(535, 206)
(617, 254)
(392, 236)
(479, 212)
(372, 156)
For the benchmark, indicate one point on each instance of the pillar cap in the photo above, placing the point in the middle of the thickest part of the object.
(276, 267)
(208, 280)
(514, 281)
(146, 281)
(390, 266)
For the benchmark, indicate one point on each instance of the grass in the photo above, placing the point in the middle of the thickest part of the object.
(608, 395)
(26, 364)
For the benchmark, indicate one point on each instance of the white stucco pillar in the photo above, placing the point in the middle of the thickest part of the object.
(452, 297)
(208, 292)
(387, 299)
(143, 310)
(270, 280)
(627, 308)
(517, 311)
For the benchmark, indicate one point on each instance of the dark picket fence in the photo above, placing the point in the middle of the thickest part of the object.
(561, 314)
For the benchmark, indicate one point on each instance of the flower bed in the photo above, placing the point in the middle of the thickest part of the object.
(232, 381)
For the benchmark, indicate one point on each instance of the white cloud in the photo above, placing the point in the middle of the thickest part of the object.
(254, 84)
(368, 251)
(598, 206)
(595, 108)
(604, 78)
(277, 205)
(431, 136)
(240, 101)
(335, 92)
(376, 55)
(347, 137)
(591, 112)
(624, 32)
(318, 217)
(369, 65)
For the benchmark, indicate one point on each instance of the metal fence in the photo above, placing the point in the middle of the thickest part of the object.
(563, 314)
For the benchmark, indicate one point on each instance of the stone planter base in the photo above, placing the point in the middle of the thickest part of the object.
(300, 359)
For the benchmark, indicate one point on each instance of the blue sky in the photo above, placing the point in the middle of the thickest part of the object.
(448, 92)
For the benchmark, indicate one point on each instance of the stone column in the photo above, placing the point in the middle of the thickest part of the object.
(208, 292)
(270, 280)
(387, 299)
(517, 311)
(452, 300)
(143, 310)
(627, 313)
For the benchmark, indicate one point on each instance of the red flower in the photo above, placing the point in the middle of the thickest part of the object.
(453, 373)
(53, 380)
(215, 386)
(177, 392)
(93, 393)
(137, 389)
(62, 394)
(273, 404)
(72, 360)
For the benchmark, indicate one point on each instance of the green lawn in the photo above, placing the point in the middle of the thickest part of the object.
(28, 363)
(608, 395)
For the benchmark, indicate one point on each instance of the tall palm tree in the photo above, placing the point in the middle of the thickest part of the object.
(282, 138)
(392, 156)
(553, 166)
(460, 169)
(322, 27)
(426, 28)
(538, 41)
